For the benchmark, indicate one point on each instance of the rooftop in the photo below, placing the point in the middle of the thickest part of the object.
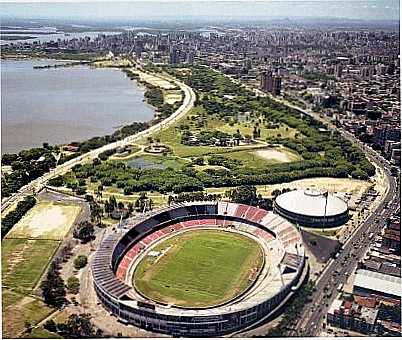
(311, 203)
(378, 282)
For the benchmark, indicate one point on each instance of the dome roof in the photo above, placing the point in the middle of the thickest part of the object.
(311, 203)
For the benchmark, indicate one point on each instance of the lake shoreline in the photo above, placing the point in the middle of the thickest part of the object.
(138, 94)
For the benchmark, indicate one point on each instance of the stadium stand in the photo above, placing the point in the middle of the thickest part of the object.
(120, 250)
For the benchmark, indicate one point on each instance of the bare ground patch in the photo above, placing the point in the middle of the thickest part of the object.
(276, 155)
(47, 220)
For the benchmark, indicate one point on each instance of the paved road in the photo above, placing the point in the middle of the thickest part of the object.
(37, 184)
(354, 248)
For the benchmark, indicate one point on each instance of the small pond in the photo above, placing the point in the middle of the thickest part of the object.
(142, 163)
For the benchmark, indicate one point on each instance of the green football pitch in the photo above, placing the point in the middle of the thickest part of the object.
(199, 268)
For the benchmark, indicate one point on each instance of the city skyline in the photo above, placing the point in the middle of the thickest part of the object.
(186, 10)
(201, 169)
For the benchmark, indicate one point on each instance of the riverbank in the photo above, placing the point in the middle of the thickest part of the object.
(29, 55)
(37, 106)
(88, 150)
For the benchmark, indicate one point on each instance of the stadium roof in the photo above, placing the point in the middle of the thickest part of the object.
(378, 282)
(311, 203)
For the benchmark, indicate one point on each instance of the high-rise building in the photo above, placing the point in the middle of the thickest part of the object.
(173, 56)
(271, 83)
(190, 57)
(383, 133)
(338, 70)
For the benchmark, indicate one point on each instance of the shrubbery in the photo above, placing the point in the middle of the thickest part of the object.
(73, 285)
(14, 216)
(80, 262)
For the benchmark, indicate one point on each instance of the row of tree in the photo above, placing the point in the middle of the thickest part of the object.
(53, 287)
(14, 216)
(77, 326)
(30, 164)
(247, 194)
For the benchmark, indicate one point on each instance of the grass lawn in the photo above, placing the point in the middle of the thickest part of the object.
(18, 309)
(171, 96)
(164, 161)
(46, 220)
(171, 136)
(249, 159)
(41, 333)
(154, 80)
(200, 268)
(23, 262)
(157, 198)
(246, 128)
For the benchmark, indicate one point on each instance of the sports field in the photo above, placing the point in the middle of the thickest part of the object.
(23, 262)
(199, 268)
(19, 309)
(46, 220)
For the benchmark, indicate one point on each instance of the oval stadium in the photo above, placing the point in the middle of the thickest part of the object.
(312, 208)
(199, 269)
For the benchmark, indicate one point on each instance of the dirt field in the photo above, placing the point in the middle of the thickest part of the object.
(112, 63)
(153, 80)
(346, 185)
(276, 155)
(172, 97)
(47, 220)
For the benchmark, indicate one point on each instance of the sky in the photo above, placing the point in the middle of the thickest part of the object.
(152, 9)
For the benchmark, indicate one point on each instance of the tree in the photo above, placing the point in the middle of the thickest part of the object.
(80, 262)
(112, 202)
(246, 194)
(99, 191)
(57, 181)
(96, 212)
(28, 326)
(73, 285)
(170, 199)
(14, 216)
(78, 326)
(84, 231)
(96, 161)
(50, 325)
(198, 161)
(53, 289)
(275, 193)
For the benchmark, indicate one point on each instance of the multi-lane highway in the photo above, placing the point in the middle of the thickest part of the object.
(340, 268)
(353, 250)
(38, 183)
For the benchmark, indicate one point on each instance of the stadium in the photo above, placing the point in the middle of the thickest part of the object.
(312, 208)
(199, 269)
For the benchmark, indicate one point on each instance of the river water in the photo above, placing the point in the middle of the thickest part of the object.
(60, 105)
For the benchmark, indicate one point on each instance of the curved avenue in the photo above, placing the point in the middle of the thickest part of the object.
(187, 105)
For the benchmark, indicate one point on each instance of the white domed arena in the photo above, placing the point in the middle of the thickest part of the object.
(312, 208)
